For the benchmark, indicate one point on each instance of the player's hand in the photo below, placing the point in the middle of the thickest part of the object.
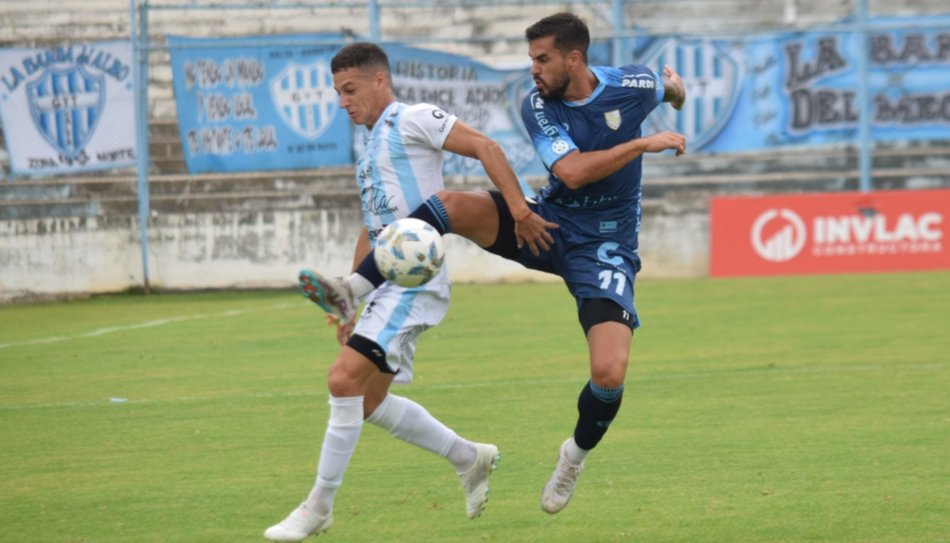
(343, 330)
(534, 232)
(665, 140)
(676, 90)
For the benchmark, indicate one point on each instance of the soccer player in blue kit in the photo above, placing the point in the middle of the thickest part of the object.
(584, 122)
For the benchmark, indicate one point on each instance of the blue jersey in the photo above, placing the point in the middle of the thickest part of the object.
(610, 116)
(596, 247)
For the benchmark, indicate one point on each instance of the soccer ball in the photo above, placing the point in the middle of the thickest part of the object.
(409, 252)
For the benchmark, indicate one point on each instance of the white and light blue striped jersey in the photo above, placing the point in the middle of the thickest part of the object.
(400, 162)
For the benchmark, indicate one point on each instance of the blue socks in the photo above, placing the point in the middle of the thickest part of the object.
(433, 212)
(597, 406)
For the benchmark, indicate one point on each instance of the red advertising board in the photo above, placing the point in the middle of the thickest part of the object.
(830, 233)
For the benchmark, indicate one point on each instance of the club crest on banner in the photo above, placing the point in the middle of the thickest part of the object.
(304, 98)
(66, 105)
(711, 75)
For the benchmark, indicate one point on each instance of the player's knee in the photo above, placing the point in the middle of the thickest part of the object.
(609, 368)
(341, 382)
(610, 377)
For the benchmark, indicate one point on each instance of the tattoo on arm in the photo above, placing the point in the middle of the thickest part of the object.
(674, 91)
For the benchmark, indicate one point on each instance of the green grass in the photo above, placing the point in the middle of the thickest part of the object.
(759, 410)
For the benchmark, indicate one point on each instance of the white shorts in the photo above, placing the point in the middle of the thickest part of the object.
(393, 318)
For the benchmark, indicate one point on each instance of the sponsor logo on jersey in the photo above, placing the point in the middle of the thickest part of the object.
(613, 119)
(304, 98)
(559, 146)
(443, 116)
(537, 102)
(639, 81)
(66, 105)
(711, 73)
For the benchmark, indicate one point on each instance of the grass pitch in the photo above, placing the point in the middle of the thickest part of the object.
(757, 410)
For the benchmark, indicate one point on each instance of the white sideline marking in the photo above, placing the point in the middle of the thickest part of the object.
(495, 384)
(139, 326)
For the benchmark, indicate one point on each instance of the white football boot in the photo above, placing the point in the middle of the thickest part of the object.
(332, 294)
(300, 524)
(475, 479)
(560, 487)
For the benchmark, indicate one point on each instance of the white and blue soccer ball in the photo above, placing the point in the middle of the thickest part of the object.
(409, 252)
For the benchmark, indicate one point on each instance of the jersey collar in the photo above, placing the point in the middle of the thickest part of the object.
(601, 78)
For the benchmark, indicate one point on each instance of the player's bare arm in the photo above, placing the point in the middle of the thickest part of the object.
(530, 227)
(674, 88)
(583, 168)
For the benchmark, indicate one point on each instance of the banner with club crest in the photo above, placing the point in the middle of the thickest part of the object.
(486, 98)
(801, 88)
(255, 103)
(68, 108)
(259, 103)
(262, 105)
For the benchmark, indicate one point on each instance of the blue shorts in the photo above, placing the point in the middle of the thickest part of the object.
(595, 257)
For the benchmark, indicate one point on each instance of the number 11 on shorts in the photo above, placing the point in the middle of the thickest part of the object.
(605, 279)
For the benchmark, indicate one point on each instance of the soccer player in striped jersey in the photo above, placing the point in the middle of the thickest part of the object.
(399, 168)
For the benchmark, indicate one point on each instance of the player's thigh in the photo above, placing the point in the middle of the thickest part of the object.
(601, 270)
(473, 215)
(393, 320)
(350, 373)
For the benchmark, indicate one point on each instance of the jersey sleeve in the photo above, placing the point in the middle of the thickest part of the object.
(427, 125)
(545, 130)
(644, 84)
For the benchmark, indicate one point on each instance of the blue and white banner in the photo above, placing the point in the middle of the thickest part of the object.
(68, 108)
(800, 88)
(259, 103)
(485, 98)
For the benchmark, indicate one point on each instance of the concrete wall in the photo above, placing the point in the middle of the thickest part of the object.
(69, 256)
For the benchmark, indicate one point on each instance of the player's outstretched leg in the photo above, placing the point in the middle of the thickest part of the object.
(300, 524)
(475, 479)
(560, 487)
(330, 293)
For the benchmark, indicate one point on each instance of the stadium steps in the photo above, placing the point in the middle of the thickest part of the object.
(675, 183)
(798, 170)
(118, 195)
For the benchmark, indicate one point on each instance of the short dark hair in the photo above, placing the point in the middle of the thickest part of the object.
(360, 55)
(570, 32)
